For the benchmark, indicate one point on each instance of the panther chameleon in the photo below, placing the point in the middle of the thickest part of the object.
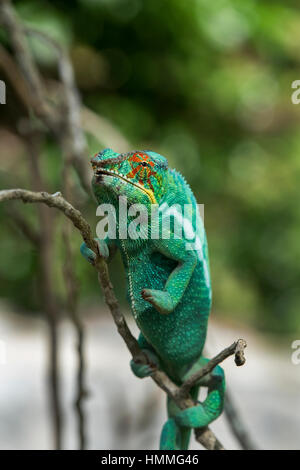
(168, 278)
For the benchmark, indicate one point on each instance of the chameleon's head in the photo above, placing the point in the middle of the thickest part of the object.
(138, 175)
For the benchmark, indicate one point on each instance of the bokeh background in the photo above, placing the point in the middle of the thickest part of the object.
(208, 85)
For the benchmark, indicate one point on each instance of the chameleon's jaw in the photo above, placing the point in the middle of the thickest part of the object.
(148, 192)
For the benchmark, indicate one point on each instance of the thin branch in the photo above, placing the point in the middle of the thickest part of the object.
(66, 126)
(56, 200)
(70, 134)
(53, 200)
(26, 63)
(47, 288)
(14, 75)
(236, 348)
(235, 420)
(50, 307)
(72, 307)
(65, 123)
(239, 353)
(72, 289)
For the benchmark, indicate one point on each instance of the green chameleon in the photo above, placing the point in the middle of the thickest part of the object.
(168, 278)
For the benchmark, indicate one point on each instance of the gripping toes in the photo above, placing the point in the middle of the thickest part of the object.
(89, 255)
(140, 370)
(161, 300)
(145, 370)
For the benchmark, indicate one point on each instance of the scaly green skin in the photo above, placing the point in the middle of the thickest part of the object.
(169, 287)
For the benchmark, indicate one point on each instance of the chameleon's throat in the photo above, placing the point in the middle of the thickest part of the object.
(118, 175)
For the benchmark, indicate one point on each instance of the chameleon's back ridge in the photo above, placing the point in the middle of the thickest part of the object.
(163, 246)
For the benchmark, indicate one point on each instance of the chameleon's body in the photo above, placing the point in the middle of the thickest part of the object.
(168, 280)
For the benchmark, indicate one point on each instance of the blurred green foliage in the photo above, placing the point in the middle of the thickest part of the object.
(207, 84)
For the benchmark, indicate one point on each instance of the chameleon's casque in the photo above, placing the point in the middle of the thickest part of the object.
(168, 278)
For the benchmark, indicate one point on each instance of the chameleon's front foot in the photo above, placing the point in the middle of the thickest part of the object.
(161, 300)
(90, 256)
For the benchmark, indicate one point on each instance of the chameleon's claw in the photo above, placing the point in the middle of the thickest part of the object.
(140, 370)
(89, 255)
(161, 300)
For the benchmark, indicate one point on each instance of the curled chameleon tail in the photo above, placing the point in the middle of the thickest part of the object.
(177, 429)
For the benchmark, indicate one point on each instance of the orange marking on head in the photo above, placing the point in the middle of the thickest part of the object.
(133, 172)
(140, 157)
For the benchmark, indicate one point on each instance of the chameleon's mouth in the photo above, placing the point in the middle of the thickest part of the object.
(148, 192)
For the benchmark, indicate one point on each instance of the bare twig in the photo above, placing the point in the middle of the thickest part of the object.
(26, 63)
(70, 135)
(56, 200)
(72, 306)
(72, 289)
(239, 353)
(235, 420)
(236, 348)
(71, 139)
(49, 304)
(63, 123)
(13, 74)
(47, 289)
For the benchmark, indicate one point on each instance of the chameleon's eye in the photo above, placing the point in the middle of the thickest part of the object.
(144, 164)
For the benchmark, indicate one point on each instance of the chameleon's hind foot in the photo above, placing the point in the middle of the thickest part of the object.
(141, 370)
(90, 256)
(145, 370)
